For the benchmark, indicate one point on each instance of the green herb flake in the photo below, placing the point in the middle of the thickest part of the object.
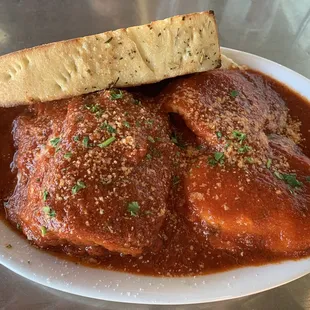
(218, 155)
(86, 141)
(227, 145)
(107, 142)
(218, 158)
(234, 93)
(45, 195)
(239, 136)
(108, 127)
(291, 180)
(43, 231)
(55, 141)
(149, 122)
(177, 140)
(68, 155)
(244, 149)
(137, 102)
(126, 124)
(278, 175)
(116, 94)
(78, 186)
(18, 226)
(133, 208)
(308, 179)
(76, 138)
(109, 40)
(9, 246)
(149, 156)
(151, 139)
(249, 160)
(219, 134)
(212, 162)
(95, 109)
(49, 211)
(175, 180)
(268, 163)
(174, 140)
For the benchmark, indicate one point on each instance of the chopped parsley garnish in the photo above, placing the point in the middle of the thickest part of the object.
(249, 160)
(244, 149)
(43, 230)
(78, 186)
(174, 140)
(278, 175)
(268, 163)
(133, 208)
(149, 122)
(108, 127)
(151, 139)
(177, 140)
(175, 180)
(55, 141)
(107, 142)
(126, 124)
(76, 138)
(18, 226)
(219, 134)
(45, 195)
(234, 93)
(289, 179)
(308, 179)
(94, 108)
(68, 155)
(49, 211)
(9, 246)
(218, 158)
(227, 145)
(109, 40)
(116, 94)
(149, 156)
(240, 136)
(85, 141)
(137, 102)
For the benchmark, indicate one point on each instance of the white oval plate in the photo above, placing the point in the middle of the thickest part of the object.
(122, 287)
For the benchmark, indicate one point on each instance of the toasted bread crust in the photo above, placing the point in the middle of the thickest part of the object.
(125, 57)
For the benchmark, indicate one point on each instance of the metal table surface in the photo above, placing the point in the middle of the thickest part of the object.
(275, 29)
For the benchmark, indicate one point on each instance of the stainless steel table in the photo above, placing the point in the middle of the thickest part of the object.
(275, 29)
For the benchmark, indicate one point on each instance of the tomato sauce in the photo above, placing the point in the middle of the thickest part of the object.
(184, 248)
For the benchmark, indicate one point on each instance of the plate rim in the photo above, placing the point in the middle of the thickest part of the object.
(16, 265)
